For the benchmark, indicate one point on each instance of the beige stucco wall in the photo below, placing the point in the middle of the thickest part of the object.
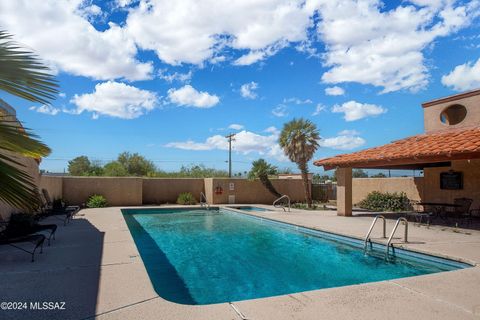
(246, 191)
(54, 185)
(471, 183)
(413, 187)
(158, 191)
(432, 114)
(138, 191)
(117, 191)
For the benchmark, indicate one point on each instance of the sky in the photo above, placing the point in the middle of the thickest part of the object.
(169, 79)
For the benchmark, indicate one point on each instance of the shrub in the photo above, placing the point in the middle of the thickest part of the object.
(96, 201)
(186, 198)
(378, 201)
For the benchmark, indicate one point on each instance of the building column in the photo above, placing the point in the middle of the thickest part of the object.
(344, 192)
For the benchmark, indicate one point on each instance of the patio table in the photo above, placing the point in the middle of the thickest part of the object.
(439, 208)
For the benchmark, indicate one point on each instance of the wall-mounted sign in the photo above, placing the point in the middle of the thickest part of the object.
(451, 180)
(231, 186)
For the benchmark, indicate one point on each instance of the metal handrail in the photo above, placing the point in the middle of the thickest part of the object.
(405, 236)
(367, 237)
(281, 205)
(204, 203)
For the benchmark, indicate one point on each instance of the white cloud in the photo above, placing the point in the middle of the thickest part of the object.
(176, 76)
(246, 142)
(116, 100)
(236, 126)
(46, 109)
(58, 32)
(346, 140)
(295, 100)
(463, 77)
(355, 110)
(318, 109)
(334, 91)
(369, 44)
(185, 32)
(247, 90)
(280, 111)
(189, 96)
(272, 129)
(349, 133)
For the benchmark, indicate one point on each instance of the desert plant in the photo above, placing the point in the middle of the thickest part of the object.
(299, 140)
(379, 201)
(96, 201)
(186, 198)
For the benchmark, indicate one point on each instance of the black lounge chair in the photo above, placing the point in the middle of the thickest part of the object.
(36, 239)
(49, 209)
(62, 206)
(25, 224)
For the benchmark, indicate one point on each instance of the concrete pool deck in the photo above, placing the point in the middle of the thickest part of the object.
(95, 268)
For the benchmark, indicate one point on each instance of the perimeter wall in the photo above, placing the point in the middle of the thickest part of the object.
(132, 191)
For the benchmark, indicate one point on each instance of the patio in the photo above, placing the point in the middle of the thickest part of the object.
(94, 266)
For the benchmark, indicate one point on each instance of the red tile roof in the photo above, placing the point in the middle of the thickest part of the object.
(446, 145)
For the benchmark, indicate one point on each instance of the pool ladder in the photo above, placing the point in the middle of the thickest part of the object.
(203, 201)
(280, 204)
(389, 242)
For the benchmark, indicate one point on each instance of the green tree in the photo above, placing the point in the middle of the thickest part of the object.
(261, 170)
(359, 173)
(23, 75)
(299, 140)
(114, 169)
(136, 164)
(79, 166)
(96, 168)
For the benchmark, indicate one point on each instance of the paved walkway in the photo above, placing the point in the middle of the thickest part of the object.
(95, 268)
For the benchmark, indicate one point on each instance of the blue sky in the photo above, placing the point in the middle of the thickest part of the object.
(170, 79)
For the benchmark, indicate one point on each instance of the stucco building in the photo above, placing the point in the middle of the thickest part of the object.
(448, 152)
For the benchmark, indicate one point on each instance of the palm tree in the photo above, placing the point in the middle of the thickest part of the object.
(261, 169)
(299, 140)
(23, 75)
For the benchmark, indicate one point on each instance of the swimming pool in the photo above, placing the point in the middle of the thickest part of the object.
(211, 256)
(249, 208)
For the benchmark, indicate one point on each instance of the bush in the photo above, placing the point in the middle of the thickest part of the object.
(186, 198)
(96, 201)
(378, 201)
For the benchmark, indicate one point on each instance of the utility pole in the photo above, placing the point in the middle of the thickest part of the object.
(230, 138)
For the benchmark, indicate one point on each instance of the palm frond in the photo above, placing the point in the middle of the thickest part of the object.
(20, 140)
(18, 188)
(23, 74)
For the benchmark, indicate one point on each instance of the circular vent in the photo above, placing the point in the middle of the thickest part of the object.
(453, 115)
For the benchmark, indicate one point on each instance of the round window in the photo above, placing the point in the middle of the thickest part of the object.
(453, 115)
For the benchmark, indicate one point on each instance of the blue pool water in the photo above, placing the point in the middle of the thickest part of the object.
(204, 257)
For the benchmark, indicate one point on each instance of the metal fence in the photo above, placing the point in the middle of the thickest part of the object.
(324, 192)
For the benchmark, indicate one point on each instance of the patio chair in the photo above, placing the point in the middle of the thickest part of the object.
(419, 213)
(10, 239)
(463, 210)
(61, 205)
(49, 210)
(21, 224)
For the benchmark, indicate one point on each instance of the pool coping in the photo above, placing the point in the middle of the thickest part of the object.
(354, 241)
(375, 241)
